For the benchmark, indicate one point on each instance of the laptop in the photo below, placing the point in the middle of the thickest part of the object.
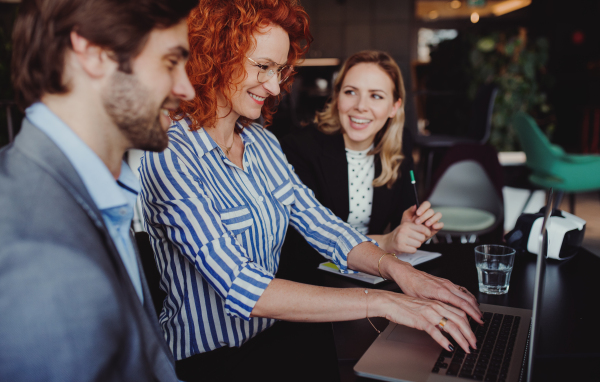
(506, 343)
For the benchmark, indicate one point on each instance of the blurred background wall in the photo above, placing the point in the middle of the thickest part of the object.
(543, 55)
(444, 55)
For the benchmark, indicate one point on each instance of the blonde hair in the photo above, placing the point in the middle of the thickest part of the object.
(388, 141)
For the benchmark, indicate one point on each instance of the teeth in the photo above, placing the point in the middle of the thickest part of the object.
(260, 99)
(165, 112)
(356, 120)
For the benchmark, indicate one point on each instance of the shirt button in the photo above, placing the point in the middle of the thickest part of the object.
(123, 211)
(260, 199)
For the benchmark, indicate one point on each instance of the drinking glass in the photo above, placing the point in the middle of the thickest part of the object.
(494, 265)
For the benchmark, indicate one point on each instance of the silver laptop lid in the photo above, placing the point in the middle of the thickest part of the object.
(540, 271)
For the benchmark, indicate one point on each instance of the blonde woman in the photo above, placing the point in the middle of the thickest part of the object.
(355, 162)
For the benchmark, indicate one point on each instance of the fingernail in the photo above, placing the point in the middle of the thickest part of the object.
(451, 348)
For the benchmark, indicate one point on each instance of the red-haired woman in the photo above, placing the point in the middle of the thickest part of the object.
(217, 204)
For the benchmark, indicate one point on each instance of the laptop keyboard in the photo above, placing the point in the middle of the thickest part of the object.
(490, 362)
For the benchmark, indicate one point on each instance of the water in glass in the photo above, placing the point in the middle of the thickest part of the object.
(494, 278)
(494, 265)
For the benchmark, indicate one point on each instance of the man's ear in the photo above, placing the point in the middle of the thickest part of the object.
(93, 59)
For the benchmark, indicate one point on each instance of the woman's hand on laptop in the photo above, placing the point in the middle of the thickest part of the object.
(439, 296)
(423, 285)
(428, 315)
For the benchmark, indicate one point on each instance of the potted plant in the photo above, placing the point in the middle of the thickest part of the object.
(518, 67)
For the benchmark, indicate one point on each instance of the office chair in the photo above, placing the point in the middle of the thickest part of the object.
(553, 168)
(468, 192)
(480, 127)
(150, 270)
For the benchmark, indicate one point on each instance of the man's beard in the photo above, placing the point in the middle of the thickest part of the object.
(128, 103)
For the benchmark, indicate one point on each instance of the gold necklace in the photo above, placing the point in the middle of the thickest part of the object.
(225, 148)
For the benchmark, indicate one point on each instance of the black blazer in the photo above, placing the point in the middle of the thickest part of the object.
(320, 162)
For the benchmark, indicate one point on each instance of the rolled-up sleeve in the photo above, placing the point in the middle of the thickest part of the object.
(178, 207)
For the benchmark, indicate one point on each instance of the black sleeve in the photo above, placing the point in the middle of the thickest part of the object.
(299, 261)
(403, 187)
(298, 148)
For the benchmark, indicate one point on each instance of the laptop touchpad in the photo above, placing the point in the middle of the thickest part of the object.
(411, 336)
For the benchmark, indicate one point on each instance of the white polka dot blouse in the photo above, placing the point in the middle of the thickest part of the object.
(361, 172)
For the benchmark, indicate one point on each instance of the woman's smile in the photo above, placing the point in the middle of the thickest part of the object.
(258, 99)
(359, 123)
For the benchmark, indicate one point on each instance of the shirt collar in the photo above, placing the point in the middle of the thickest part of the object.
(99, 182)
(359, 154)
(204, 143)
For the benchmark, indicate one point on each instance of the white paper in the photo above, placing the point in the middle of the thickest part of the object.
(418, 257)
(412, 258)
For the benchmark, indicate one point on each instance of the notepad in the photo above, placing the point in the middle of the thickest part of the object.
(412, 258)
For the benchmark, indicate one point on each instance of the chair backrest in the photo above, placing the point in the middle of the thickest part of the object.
(484, 154)
(470, 175)
(466, 184)
(540, 153)
(480, 124)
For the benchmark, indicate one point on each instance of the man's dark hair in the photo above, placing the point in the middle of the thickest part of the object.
(42, 31)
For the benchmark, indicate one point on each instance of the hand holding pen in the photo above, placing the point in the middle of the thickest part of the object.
(416, 227)
(418, 224)
(423, 213)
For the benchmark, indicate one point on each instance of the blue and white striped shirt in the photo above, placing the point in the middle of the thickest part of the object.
(217, 232)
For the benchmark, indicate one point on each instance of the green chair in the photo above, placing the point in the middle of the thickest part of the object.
(551, 166)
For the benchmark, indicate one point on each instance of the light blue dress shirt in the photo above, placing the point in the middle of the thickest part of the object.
(114, 199)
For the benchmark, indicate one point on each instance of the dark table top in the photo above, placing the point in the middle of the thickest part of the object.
(569, 337)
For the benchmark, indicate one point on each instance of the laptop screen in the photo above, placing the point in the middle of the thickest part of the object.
(540, 271)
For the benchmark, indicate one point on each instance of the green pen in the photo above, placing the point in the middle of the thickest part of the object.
(412, 180)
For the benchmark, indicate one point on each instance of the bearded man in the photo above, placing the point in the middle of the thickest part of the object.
(95, 78)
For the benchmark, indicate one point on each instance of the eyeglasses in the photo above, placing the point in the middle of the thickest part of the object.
(266, 71)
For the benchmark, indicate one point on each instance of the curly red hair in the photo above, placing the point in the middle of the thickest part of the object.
(220, 35)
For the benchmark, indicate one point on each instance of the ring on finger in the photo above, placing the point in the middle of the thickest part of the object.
(443, 323)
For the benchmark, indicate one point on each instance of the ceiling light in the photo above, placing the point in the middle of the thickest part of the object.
(509, 6)
(455, 4)
(474, 17)
(433, 15)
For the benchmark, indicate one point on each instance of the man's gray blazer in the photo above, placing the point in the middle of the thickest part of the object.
(68, 309)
